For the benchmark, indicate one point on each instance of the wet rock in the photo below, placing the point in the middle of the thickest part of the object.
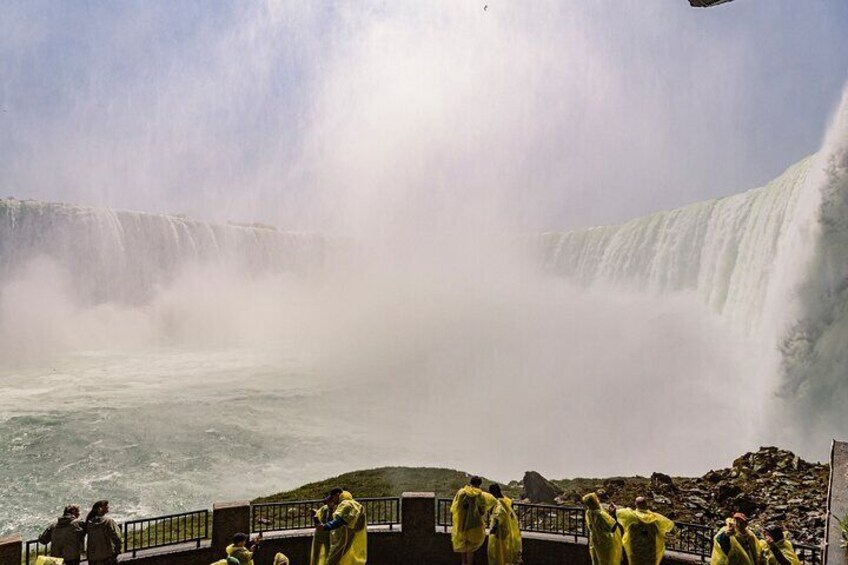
(713, 477)
(659, 499)
(727, 491)
(769, 485)
(746, 505)
(538, 489)
(662, 481)
(697, 502)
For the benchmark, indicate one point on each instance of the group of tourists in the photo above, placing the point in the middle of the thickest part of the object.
(640, 533)
(341, 536)
(479, 516)
(98, 535)
(469, 511)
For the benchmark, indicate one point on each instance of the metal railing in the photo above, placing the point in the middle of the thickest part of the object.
(274, 516)
(444, 519)
(808, 554)
(382, 511)
(297, 514)
(549, 519)
(693, 539)
(540, 518)
(162, 531)
(34, 548)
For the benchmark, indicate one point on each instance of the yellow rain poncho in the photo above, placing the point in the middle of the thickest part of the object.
(349, 543)
(737, 554)
(604, 536)
(321, 540)
(244, 556)
(44, 560)
(644, 535)
(468, 510)
(784, 546)
(504, 546)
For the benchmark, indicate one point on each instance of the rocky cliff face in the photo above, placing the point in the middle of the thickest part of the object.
(771, 486)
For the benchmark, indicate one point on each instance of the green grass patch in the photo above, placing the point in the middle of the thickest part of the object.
(385, 481)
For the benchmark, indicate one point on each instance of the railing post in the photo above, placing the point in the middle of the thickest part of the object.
(228, 519)
(11, 550)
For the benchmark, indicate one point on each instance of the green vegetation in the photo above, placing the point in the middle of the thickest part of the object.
(843, 526)
(386, 481)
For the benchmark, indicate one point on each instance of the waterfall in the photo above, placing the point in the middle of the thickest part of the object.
(123, 257)
(772, 262)
(723, 249)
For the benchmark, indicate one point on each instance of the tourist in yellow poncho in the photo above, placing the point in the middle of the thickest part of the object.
(644, 533)
(504, 546)
(735, 544)
(321, 539)
(239, 550)
(777, 550)
(468, 510)
(348, 530)
(604, 533)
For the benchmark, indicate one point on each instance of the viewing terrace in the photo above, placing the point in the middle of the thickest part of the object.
(412, 528)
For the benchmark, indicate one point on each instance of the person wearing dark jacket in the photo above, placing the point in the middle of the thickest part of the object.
(65, 536)
(104, 535)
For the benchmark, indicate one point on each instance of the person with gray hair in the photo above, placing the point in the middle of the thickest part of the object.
(65, 536)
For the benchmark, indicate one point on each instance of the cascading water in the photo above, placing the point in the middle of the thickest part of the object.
(722, 249)
(772, 262)
(124, 256)
(814, 358)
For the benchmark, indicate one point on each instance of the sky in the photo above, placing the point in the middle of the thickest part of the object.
(545, 115)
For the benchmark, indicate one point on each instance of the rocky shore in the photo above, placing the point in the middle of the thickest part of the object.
(770, 485)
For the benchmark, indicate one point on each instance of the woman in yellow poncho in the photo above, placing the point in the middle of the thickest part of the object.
(735, 544)
(348, 530)
(504, 546)
(468, 510)
(321, 539)
(605, 544)
(644, 533)
(777, 550)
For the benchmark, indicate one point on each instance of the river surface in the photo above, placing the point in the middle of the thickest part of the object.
(168, 430)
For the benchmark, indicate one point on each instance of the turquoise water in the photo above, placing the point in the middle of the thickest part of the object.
(162, 431)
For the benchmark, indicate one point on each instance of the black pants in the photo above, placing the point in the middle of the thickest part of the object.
(72, 562)
(110, 561)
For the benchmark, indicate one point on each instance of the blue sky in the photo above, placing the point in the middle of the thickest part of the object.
(561, 114)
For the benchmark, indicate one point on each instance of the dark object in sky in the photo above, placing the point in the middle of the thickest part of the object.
(706, 3)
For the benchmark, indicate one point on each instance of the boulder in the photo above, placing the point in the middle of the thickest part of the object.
(538, 489)
(662, 482)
